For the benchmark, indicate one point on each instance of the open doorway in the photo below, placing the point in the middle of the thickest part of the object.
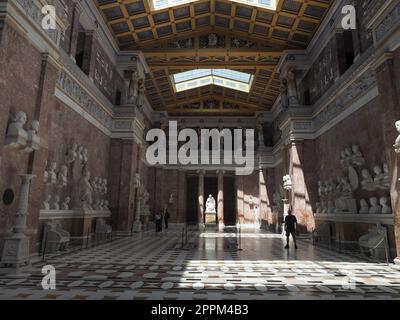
(229, 201)
(192, 187)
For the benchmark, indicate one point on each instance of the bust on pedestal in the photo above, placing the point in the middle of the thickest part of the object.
(16, 256)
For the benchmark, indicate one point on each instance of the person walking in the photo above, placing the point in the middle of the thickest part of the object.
(166, 218)
(290, 227)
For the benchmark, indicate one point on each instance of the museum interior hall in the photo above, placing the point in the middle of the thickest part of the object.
(153, 149)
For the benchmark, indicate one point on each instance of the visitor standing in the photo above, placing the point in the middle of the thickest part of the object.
(290, 227)
(166, 218)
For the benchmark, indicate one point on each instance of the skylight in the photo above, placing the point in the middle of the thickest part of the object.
(221, 77)
(162, 4)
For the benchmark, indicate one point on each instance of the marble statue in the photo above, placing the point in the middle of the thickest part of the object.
(210, 205)
(65, 204)
(386, 209)
(133, 90)
(357, 158)
(364, 209)
(379, 177)
(101, 205)
(386, 177)
(292, 89)
(94, 184)
(16, 136)
(86, 191)
(375, 208)
(72, 153)
(97, 205)
(52, 175)
(63, 176)
(171, 198)
(348, 155)
(106, 205)
(367, 182)
(346, 189)
(287, 182)
(79, 153)
(56, 203)
(141, 96)
(85, 156)
(397, 142)
(46, 202)
(33, 142)
(345, 201)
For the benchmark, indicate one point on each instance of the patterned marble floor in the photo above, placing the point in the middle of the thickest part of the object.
(154, 266)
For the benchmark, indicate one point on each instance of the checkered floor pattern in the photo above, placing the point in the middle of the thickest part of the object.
(156, 266)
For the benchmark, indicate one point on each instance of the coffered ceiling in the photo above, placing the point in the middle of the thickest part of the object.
(213, 34)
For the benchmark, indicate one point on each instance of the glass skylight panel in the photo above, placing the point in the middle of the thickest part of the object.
(222, 77)
(162, 4)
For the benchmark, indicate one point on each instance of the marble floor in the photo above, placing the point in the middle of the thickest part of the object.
(155, 266)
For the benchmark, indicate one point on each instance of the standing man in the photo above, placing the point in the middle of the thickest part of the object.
(166, 217)
(290, 227)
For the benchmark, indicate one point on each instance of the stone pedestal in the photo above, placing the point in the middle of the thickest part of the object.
(210, 218)
(15, 257)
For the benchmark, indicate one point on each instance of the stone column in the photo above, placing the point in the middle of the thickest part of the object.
(389, 98)
(16, 257)
(122, 172)
(200, 212)
(137, 225)
(220, 199)
(72, 32)
(263, 195)
(298, 195)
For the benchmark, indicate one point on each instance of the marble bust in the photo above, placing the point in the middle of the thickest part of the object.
(386, 209)
(16, 136)
(397, 142)
(63, 176)
(375, 207)
(85, 191)
(56, 203)
(364, 209)
(210, 205)
(367, 183)
(46, 202)
(52, 175)
(379, 177)
(357, 157)
(85, 156)
(65, 204)
(72, 153)
(33, 142)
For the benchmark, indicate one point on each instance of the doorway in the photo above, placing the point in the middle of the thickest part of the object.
(229, 201)
(192, 187)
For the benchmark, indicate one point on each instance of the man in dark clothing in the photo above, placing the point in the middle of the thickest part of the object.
(290, 227)
(166, 217)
